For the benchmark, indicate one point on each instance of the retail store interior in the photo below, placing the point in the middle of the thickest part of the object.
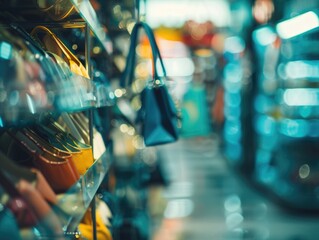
(159, 119)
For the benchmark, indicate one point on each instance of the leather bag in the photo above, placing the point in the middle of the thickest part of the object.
(158, 115)
(57, 166)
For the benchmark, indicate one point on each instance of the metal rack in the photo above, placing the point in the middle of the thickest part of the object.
(82, 194)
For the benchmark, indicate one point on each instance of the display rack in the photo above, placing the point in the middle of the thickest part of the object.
(87, 13)
(82, 193)
(79, 95)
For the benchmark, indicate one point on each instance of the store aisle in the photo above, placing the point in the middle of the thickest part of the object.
(206, 201)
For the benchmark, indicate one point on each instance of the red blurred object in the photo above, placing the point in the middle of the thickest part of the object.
(263, 10)
(198, 34)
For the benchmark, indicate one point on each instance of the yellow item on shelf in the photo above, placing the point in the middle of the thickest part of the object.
(86, 227)
(82, 153)
(55, 45)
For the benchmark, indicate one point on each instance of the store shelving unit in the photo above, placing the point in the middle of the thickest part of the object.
(79, 95)
(82, 193)
(87, 13)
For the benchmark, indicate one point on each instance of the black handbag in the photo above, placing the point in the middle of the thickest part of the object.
(158, 114)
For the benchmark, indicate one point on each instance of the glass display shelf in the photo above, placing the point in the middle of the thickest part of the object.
(104, 95)
(72, 95)
(77, 14)
(88, 14)
(63, 219)
(76, 95)
(73, 204)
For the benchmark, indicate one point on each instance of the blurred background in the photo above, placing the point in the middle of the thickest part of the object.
(245, 75)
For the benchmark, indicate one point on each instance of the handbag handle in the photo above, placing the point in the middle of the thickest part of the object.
(155, 51)
(69, 55)
(60, 44)
(128, 73)
(127, 76)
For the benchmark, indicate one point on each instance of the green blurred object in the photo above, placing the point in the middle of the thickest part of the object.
(195, 120)
(9, 227)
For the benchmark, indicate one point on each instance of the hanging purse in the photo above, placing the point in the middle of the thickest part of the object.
(53, 44)
(158, 115)
(57, 166)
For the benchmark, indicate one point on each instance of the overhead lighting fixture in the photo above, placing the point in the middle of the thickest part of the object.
(297, 25)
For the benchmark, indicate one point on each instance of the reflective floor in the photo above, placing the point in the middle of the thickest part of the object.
(205, 201)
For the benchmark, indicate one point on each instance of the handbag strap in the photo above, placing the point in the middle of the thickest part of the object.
(127, 76)
(128, 73)
(155, 51)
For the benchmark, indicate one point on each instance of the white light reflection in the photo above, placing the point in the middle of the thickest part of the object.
(300, 69)
(304, 171)
(5, 50)
(233, 220)
(127, 109)
(30, 104)
(233, 211)
(301, 97)
(234, 45)
(179, 208)
(232, 204)
(181, 67)
(14, 98)
(175, 13)
(233, 73)
(264, 36)
(297, 25)
(118, 93)
(179, 190)
(124, 128)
